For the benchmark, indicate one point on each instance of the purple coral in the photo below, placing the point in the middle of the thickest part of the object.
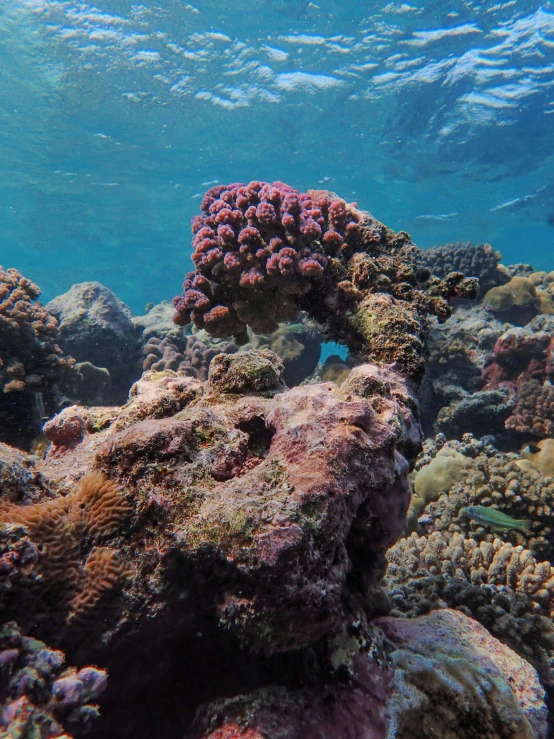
(262, 245)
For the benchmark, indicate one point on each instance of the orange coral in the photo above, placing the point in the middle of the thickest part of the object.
(94, 509)
(105, 572)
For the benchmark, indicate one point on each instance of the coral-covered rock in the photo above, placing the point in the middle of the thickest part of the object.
(502, 586)
(96, 327)
(32, 364)
(298, 345)
(451, 400)
(441, 674)
(281, 495)
(263, 252)
(522, 362)
(39, 697)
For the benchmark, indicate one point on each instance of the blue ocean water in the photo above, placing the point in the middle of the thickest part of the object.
(117, 116)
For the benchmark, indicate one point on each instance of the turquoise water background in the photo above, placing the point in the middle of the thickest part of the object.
(438, 117)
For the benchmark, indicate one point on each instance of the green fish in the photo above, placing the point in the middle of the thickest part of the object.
(496, 519)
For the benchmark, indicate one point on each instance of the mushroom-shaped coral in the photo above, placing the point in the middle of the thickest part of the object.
(263, 252)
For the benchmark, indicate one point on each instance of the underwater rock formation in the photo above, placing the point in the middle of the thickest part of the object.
(96, 327)
(33, 367)
(39, 697)
(267, 488)
(438, 675)
(264, 252)
(234, 507)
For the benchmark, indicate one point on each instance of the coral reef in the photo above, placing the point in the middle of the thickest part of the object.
(499, 479)
(96, 327)
(408, 679)
(500, 585)
(39, 697)
(473, 260)
(264, 252)
(33, 368)
(219, 542)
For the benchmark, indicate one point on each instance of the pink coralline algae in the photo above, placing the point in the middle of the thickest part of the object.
(263, 252)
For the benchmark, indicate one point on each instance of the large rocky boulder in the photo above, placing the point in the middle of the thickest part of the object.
(96, 327)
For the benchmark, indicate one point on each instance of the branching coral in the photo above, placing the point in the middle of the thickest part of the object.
(264, 252)
(500, 480)
(38, 696)
(500, 585)
(31, 362)
(30, 358)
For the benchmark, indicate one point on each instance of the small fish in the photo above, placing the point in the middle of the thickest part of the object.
(496, 519)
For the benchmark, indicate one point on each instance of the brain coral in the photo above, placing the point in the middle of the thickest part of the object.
(44, 545)
(263, 252)
(500, 585)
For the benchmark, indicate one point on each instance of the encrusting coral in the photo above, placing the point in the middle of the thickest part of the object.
(500, 585)
(263, 252)
(518, 301)
(39, 697)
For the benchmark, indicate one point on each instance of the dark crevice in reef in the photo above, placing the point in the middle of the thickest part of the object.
(155, 687)
(259, 435)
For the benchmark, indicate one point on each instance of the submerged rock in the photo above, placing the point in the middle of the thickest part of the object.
(96, 327)
(439, 675)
